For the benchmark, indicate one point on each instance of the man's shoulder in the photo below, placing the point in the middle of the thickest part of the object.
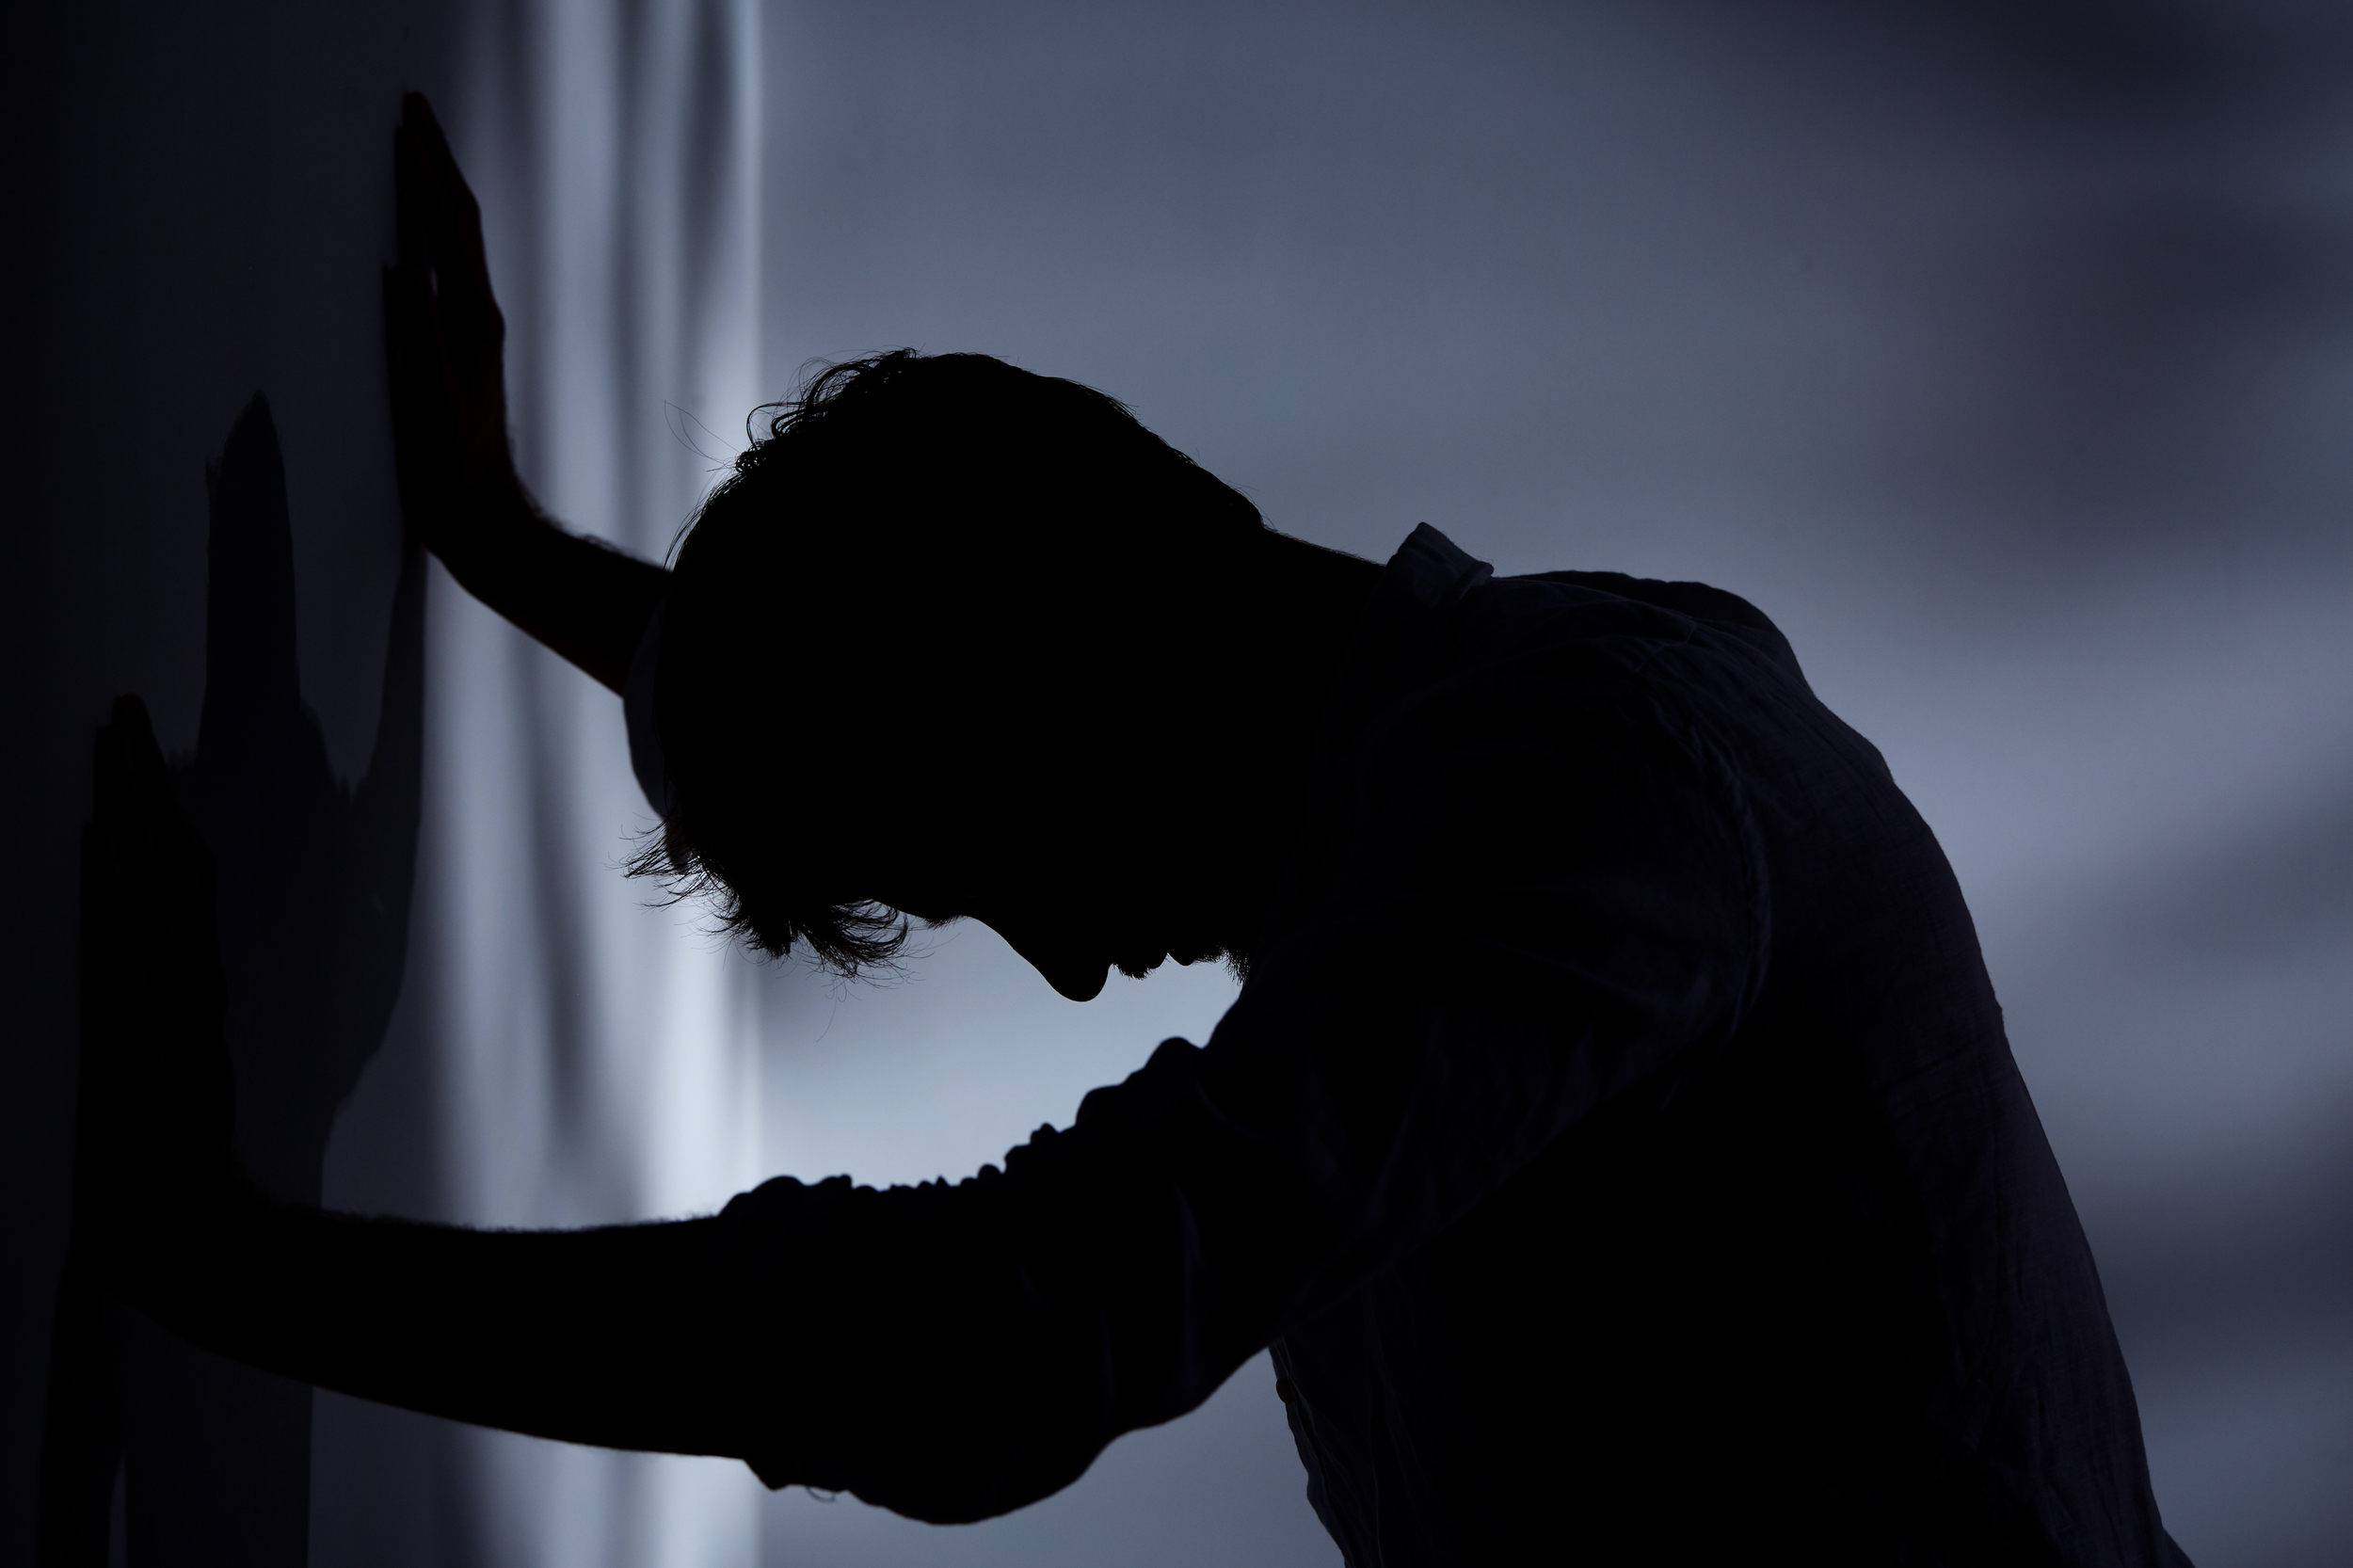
(1696, 601)
(1600, 620)
(1644, 607)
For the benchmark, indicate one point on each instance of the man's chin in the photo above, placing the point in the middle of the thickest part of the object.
(1136, 964)
(1189, 954)
(1136, 967)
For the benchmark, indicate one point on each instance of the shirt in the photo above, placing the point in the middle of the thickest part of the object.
(1615, 1140)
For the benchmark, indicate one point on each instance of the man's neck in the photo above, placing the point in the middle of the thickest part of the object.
(1308, 601)
(1298, 619)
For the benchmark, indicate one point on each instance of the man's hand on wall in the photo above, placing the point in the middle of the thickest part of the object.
(445, 347)
(445, 343)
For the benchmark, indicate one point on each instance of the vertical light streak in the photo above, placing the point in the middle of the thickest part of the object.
(598, 1056)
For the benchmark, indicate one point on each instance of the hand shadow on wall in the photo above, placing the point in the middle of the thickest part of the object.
(214, 1458)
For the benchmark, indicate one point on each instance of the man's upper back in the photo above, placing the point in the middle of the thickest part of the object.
(1801, 1271)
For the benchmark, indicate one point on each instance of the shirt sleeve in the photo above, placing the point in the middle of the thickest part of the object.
(1525, 897)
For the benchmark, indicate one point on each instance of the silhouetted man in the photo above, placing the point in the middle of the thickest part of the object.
(1615, 1139)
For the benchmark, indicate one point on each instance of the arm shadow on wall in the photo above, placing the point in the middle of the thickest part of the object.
(154, 1451)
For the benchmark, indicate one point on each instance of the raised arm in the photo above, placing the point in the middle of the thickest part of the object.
(445, 349)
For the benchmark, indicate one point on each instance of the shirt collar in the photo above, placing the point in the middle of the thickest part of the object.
(1402, 641)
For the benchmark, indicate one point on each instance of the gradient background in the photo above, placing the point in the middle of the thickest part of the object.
(2001, 353)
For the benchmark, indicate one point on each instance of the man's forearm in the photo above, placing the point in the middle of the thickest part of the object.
(618, 1337)
(578, 595)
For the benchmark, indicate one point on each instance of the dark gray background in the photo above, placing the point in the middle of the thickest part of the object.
(2000, 352)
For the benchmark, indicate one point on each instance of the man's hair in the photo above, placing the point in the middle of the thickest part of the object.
(899, 507)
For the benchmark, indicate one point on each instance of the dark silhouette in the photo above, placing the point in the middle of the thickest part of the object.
(313, 915)
(1615, 1140)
